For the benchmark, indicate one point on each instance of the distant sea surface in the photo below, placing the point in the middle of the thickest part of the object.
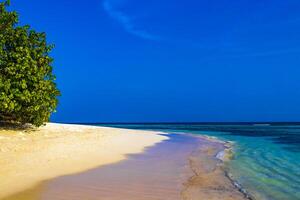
(266, 160)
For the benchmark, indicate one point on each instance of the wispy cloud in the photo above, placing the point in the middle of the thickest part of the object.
(126, 21)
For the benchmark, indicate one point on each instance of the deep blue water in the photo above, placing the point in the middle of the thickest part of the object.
(266, 158)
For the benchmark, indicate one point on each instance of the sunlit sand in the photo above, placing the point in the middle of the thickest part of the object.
(71, 162)
(28, 158)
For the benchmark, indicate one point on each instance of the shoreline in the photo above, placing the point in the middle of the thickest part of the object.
(211, 178)
(163, 171)
(238, 186)
(226, 155)
(55, 150)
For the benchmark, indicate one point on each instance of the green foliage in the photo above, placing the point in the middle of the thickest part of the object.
(28, 93)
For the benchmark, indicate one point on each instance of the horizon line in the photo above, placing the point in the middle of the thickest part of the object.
(233, 122)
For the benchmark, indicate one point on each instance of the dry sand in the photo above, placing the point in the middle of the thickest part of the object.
(28, 158)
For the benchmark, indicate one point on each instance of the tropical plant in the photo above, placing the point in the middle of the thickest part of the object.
(28, 92)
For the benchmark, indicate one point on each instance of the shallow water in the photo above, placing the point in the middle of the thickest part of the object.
(266, 159)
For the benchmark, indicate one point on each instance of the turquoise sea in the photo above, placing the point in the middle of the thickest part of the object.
(266, 160)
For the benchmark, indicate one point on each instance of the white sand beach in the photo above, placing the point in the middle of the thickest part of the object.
(28, 158)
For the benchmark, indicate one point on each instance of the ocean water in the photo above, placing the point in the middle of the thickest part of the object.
(266, 161)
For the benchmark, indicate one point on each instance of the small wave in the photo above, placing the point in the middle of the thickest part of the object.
(238, 186)
(225, 155)
(220, 155)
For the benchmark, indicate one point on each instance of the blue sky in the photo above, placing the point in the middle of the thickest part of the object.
(165, 60)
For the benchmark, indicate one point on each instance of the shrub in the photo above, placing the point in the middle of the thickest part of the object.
(28, 93)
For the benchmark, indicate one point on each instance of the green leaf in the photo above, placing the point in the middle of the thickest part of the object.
(28, 93)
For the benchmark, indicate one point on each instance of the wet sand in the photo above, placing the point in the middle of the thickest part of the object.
(181, 168)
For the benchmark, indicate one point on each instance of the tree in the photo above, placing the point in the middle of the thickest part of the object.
(28, 93)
